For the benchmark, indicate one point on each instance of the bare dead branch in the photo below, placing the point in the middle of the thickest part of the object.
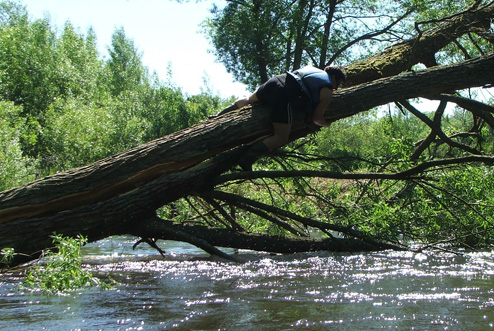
(223, 213)
(163, 229)
(436, 128)
(410, 174)
(477, 108)
(151, 242)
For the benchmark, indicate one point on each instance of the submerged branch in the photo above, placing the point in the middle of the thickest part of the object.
(206, 238)
(159, 228)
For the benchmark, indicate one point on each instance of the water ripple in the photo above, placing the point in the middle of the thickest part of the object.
(400, 290)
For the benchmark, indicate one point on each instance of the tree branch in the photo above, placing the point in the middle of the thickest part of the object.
(410, 174)
(367, 36)
(267, 243)
(398, 58)
(232, 198)
(269, 218)
(435, 127)
(234, 225)
(477, 108)
(432, 135)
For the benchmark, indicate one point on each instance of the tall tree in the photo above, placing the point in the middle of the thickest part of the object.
(125, 66)
(79, 70)
(257, 39)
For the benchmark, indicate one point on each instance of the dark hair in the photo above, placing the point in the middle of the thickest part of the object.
(337, 71)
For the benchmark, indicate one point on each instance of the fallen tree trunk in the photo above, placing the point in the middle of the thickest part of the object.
(115, 195)
(411, 85)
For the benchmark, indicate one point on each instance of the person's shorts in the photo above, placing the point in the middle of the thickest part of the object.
(274, 94)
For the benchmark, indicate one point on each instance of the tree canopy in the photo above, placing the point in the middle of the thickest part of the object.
(104, 148)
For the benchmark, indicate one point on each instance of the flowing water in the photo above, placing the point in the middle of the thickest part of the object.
(318, 291)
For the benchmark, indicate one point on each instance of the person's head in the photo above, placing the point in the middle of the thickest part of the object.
(337, 74)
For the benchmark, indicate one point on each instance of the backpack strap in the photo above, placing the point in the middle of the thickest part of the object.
(299, 94)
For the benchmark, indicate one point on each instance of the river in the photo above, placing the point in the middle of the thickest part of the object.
(316, 291)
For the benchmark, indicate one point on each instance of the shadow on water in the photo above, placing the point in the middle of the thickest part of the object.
(187, 290)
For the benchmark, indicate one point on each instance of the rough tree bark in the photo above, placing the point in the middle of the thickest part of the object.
(120, 194)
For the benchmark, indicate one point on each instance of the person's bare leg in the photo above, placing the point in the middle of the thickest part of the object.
(239, 103)
(280, 136)
(246, 101)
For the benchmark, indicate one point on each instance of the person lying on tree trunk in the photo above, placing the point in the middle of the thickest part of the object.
(308, 90)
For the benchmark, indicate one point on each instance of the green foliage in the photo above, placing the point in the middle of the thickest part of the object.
(456, 207)
(28, 66)
(457, 210)
(125, 66)
(80, 71)
(367, 141)
(202, 105)
(72, 107)
(7, 254)
(15, 168)
(38, 67)
(62, 270)
(247, 41)
(76, 134)
(165, 112)
(430, 10)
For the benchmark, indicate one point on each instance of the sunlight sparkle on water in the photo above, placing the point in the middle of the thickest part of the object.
(398, 290)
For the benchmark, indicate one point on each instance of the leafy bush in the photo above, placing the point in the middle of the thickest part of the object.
(62, 270)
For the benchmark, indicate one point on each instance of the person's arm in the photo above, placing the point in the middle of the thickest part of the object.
(325, 97)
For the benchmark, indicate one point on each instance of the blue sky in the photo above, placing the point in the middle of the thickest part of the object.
(166, 32)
